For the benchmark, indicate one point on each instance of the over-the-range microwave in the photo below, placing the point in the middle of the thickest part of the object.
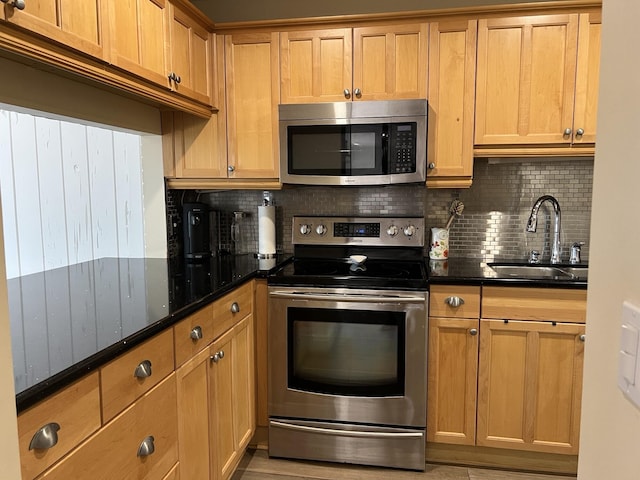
(354, 143)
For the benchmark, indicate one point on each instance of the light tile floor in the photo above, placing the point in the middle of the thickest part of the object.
(256, 465)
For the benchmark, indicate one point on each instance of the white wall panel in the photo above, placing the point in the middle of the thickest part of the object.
(128, 171)
(75, 171)
(8, 197)
(27, 195)
(102, 192)
(51, 188)
(71, 193)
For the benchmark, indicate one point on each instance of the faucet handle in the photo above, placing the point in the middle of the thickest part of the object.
(534, 256)
(575, 252)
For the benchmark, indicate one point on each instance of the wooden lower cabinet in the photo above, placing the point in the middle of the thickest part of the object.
(530, 385)
(525, 357)
(216, 395)
(116, 450)
(232, 387)
(453, 371)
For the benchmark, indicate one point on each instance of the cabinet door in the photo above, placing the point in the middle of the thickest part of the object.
(452, 386)
(232, 389)
(526, 79)
(139, 30)
(191, 56)
(530, 385)
(390, 62)
(452, 73)
(316, 65)
(587, 78)
(194, 410)
(193, 146)
(252, 80)
(74, 23)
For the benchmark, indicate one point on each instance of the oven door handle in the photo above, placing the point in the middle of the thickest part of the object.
(342, 433)
(346, 297)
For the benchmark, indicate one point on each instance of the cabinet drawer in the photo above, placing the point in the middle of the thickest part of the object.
(225, 315)
(469, 294)
(76, 410)
(119, 383)
(193, 334)
(562, 305)
(114, 452)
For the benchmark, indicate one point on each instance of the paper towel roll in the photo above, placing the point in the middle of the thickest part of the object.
(267, 230)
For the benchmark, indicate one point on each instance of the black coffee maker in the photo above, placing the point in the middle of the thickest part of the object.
(196, 228)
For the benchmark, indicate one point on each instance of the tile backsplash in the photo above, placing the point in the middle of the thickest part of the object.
(492, 225)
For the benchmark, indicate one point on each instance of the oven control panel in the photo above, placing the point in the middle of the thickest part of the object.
(366, 231)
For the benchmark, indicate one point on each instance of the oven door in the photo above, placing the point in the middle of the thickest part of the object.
(348, 355)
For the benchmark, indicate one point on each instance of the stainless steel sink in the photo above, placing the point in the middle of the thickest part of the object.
(533, 271)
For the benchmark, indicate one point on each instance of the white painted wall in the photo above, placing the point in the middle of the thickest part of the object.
(75, 192)
(610, 431)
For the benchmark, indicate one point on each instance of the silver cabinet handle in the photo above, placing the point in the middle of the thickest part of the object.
(176, 78)
(46, 437)
(143, 370)
(347, 93)
(567, 132)
(231, 168)
(582, 337)
(221, 354)
(357, 92)
(215, 358)
(454, 302)
(235, 308)
(473, 332)
(147, 447)
(19, 4)
(196, 333)
(431, 166)
(579, 132)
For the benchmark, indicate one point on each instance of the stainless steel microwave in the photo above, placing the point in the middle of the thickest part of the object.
(354, 143)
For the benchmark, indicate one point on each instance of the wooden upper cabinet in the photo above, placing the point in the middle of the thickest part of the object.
(252, 92)
(364, 63)
(191, 46)
(390, 61)
(452, 73)
(315, 65)
(74, 23)
(587, 77)
(526, 75)
(138, 29)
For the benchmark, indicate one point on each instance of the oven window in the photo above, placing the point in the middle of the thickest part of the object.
(337, 150)
(346, 352)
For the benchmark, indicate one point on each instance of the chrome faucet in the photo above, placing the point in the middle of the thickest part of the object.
(532, 224)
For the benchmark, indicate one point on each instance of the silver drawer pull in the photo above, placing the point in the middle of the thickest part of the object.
(196, 333)
(235, 308)
(473, 332)
(46, 437)
(147, 447)
(143, 370)
(582, 337)
(454, 302)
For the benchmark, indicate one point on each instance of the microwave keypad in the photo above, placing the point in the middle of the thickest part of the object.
(402, 155)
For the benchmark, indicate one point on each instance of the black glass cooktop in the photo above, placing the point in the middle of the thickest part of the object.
(343, 273)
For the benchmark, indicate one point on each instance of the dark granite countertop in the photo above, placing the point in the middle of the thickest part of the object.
(473, 271)
(69, 321)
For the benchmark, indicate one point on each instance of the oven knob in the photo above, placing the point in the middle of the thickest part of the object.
(392, 231)
(409, 230)
(321, 229)
(305, 229)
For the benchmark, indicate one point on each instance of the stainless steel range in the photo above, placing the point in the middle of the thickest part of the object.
(347, 343)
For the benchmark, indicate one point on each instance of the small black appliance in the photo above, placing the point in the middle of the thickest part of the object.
(196, 229)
